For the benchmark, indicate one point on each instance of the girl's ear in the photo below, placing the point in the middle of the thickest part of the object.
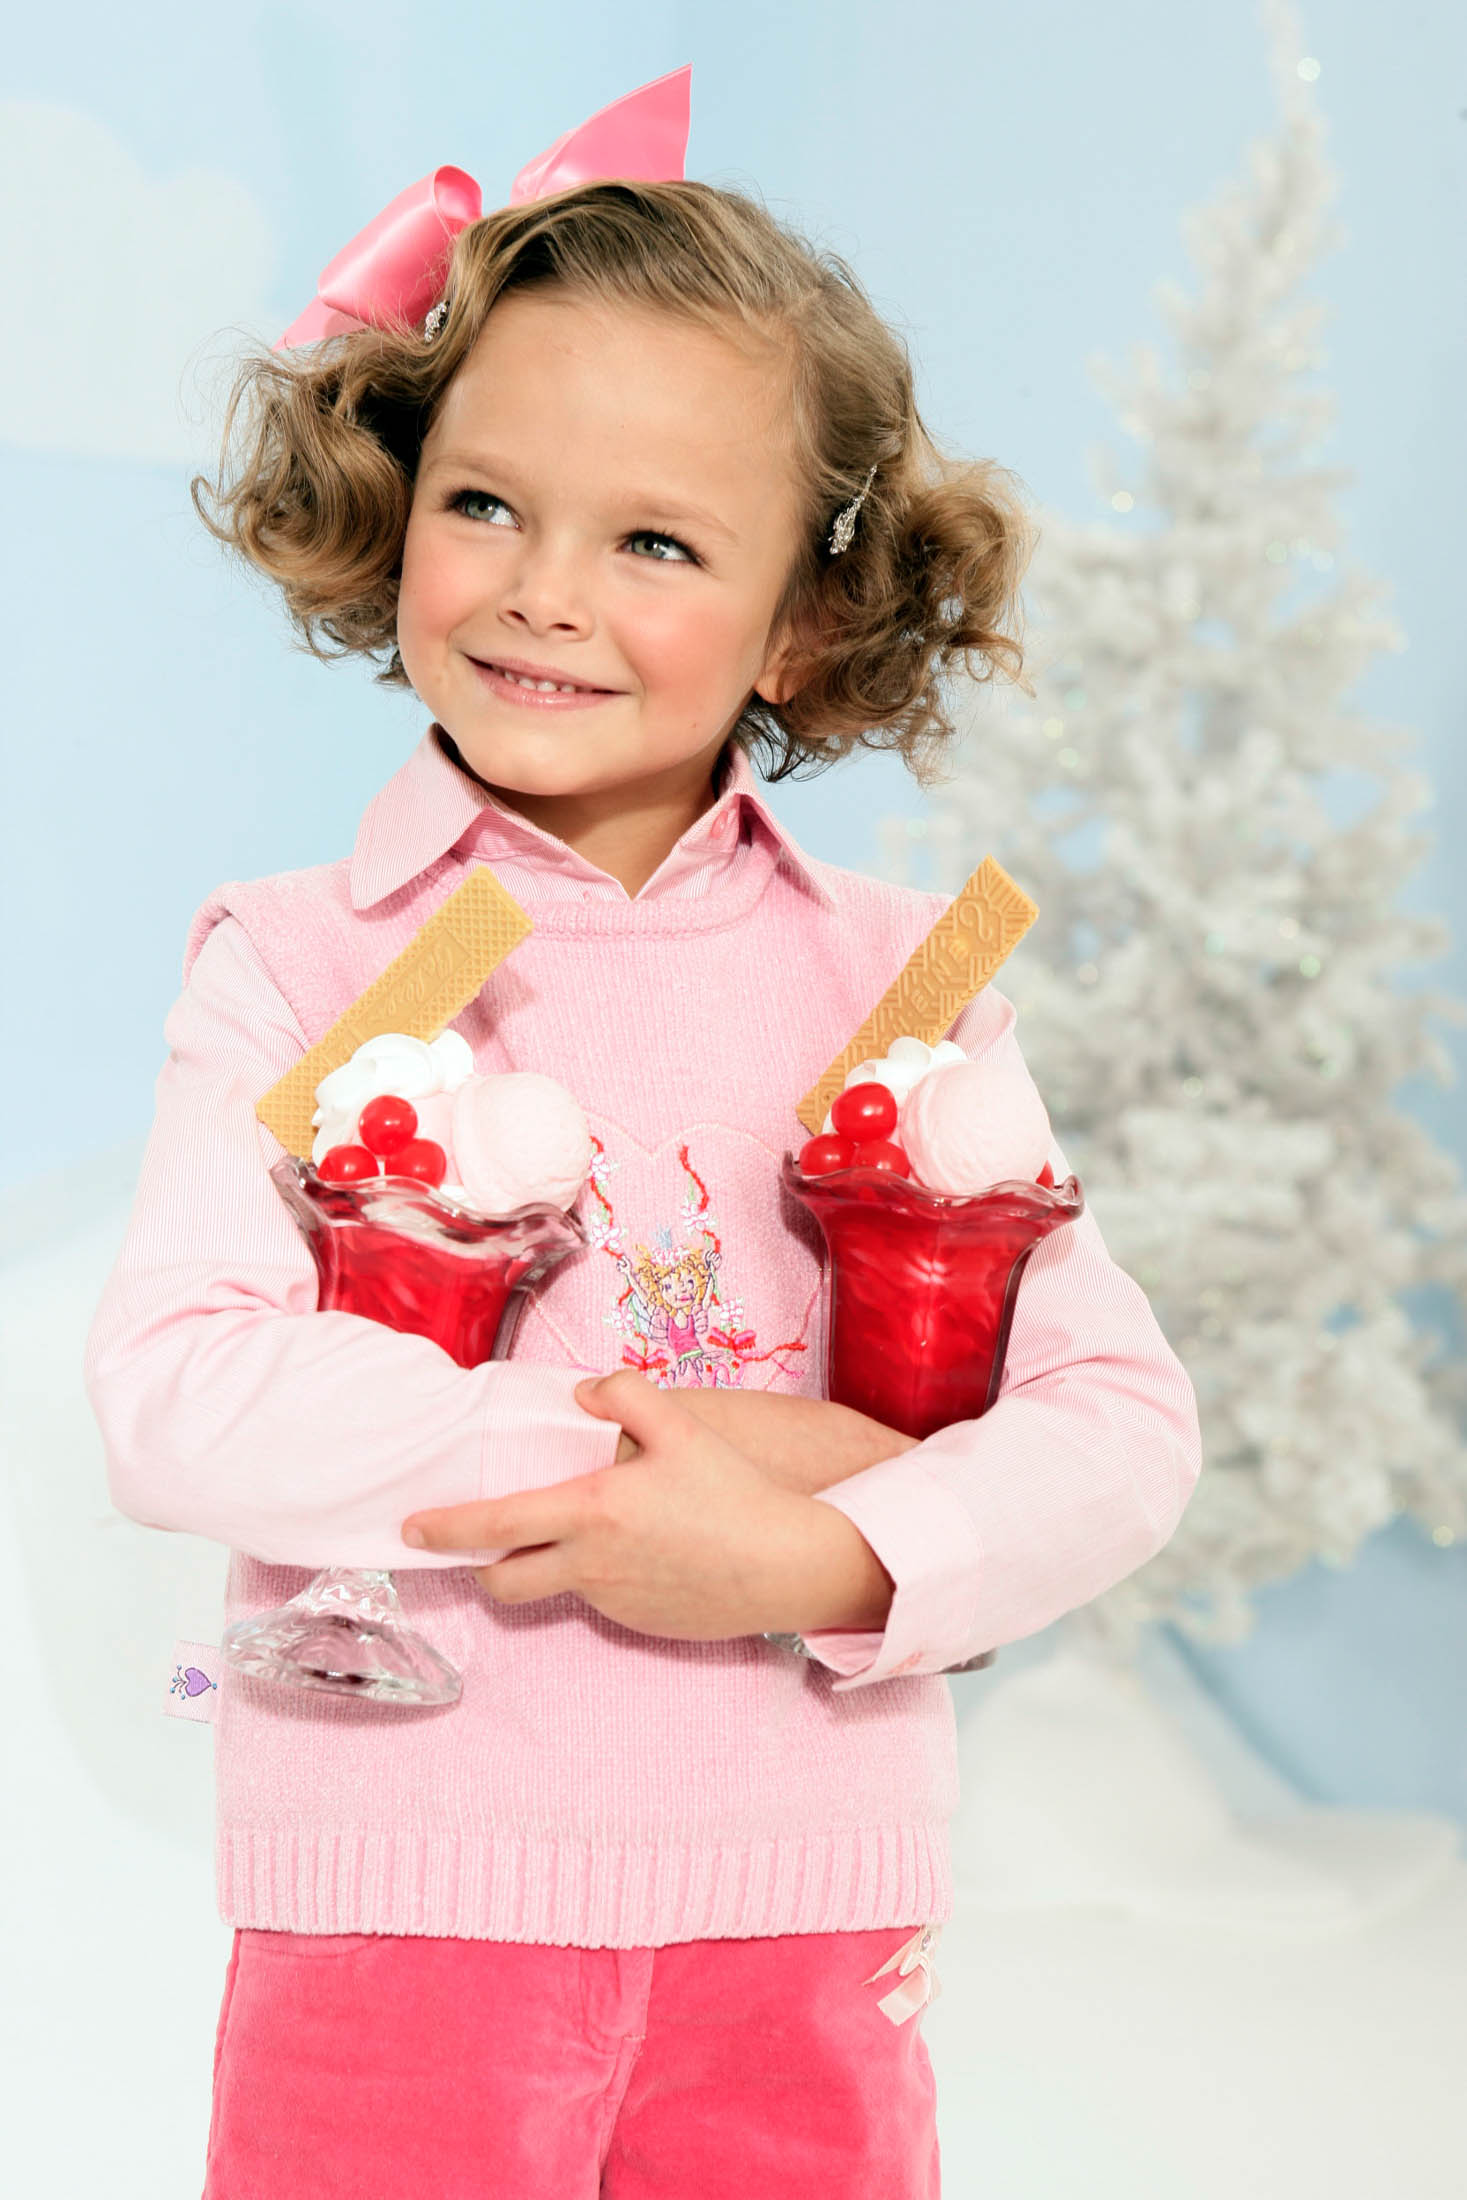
(785, 671)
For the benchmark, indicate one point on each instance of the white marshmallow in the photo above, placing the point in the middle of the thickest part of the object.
(392, 1062)
(454, 1058)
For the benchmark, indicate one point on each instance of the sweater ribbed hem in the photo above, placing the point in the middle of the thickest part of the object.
(584, 1893)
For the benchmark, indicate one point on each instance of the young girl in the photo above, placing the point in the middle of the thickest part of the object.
(651, 1909)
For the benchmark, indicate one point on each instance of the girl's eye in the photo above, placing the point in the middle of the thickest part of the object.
(474, 496)
(681, 554)
(684, 554)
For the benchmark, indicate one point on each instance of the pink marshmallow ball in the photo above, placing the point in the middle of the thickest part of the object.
(967, 1125)
(519, 1139)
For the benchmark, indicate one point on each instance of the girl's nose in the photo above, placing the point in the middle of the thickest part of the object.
(548, 591)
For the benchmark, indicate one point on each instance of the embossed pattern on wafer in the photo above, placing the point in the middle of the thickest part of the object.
(983, 924)
(438, 973)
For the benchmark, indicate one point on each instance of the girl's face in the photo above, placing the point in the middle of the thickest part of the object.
(608, 497)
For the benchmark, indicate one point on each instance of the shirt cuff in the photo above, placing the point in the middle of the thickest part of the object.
(925, 1538)
(535, 1434)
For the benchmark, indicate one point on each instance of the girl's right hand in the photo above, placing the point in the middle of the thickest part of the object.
(801, 1444)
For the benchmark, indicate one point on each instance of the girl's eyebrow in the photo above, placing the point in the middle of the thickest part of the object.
(650, 501)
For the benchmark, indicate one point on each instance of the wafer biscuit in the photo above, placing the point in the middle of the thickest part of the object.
(438, 973)
(985, 920)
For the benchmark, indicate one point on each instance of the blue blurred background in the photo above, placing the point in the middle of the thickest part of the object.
(1009, 185)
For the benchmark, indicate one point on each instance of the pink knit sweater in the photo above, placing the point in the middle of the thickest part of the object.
(594, 1786)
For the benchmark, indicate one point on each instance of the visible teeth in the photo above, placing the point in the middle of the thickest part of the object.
(541, 687)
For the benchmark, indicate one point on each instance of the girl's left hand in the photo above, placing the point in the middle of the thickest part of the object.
(687, 1538)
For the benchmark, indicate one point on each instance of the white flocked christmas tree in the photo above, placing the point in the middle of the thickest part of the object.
(1207, 1000)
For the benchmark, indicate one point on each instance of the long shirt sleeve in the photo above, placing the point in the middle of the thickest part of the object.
(1076, 1475)
(230, 1407)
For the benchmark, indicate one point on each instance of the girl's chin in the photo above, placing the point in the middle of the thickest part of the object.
(543, 745)
(505, 769)
(583, 752)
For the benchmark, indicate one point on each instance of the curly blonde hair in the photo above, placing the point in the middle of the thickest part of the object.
(323, 482)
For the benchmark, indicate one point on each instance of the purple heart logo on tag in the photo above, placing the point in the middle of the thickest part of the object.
(195, 1682)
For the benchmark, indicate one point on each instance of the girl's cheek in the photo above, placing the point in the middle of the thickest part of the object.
(437, 588)
(689, 647)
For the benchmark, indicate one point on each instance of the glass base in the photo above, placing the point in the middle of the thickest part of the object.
(396, 1252)
(343, 1635)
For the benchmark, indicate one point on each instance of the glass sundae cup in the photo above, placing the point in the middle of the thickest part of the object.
(921, 1287)
(402, 1254)
(920, 1294)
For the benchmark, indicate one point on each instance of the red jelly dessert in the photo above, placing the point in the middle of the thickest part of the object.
(392, 1250)
(921, 1288)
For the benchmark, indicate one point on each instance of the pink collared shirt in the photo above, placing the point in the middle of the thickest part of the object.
(594, 1785)
(405, 829)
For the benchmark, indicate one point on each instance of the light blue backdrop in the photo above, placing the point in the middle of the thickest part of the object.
(1008, 182)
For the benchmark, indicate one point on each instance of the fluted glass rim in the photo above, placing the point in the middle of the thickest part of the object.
(380, 1199)
(881, 1187)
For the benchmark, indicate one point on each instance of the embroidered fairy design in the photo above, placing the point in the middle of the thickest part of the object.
(671, 1293)
(675, 1323)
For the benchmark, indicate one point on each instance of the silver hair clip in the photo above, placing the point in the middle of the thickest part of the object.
(435, 320)
(845, 519)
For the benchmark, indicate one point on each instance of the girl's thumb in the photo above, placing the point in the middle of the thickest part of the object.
(591, 1395)
(627, 1397)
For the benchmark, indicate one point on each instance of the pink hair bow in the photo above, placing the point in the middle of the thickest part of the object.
(396, 265)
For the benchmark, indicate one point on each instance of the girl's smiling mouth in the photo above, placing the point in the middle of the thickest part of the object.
(520, 683)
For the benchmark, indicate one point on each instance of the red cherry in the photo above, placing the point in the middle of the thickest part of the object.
(864, 1112)
(824, 1155)
(423, 1159)
(1046, 1176)
(387, 1123)
(348, 1165)
(880, 1153)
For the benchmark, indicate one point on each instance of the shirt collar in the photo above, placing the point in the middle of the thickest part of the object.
(428, 806)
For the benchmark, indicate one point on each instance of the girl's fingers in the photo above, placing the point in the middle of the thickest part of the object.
(525, 1575)
(588, 1396)
(643, 1410)
(499, 1523)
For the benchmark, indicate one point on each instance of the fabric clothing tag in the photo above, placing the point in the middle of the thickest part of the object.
(193, 1692)
(919, 1982)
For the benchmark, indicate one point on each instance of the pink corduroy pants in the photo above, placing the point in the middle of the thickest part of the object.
(383, 2067)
